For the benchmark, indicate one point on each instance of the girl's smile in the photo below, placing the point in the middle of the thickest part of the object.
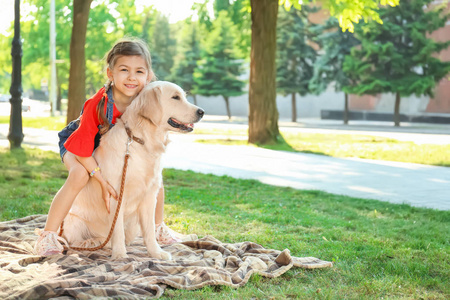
(129, 75)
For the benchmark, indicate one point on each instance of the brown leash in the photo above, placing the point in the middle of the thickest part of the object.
(130, 140)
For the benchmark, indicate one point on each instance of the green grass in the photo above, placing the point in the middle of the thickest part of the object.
(379, 250)
(49, 123)
(28, 181)
(348, 145)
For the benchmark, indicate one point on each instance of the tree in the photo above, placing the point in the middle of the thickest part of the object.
(187, 61)
(108, 21)
(295, 54)
(399, 57)
(336, 45)
(239, 13)
(162, 47)
(221, 5)
(263, 115)
(217, 74)
(204, 19)
(102, 26)
(77, 75)
(35, 47)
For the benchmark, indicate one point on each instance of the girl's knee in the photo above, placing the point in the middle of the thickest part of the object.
(78, 176)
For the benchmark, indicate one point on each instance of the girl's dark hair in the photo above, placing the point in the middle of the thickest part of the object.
(124, 47)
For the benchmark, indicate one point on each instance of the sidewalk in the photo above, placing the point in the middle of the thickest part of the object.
(414, 184)
(419, 133)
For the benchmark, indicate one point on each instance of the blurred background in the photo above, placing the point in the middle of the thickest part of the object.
(319, 71)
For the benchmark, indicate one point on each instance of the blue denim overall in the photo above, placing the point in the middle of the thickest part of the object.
(73, 125)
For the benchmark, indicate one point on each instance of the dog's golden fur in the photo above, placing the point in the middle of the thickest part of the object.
(160, 107)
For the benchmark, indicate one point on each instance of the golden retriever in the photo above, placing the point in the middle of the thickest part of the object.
(159, 108)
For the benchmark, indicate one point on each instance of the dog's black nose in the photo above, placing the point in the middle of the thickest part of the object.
(200, 112)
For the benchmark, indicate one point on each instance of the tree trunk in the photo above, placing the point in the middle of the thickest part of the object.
(397, 110)
(294, 108)
(195, 99)
(77, 74)
(227, 103)
(263, 113)
(346, 112)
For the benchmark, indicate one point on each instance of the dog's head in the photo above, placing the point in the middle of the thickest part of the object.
(165, 105)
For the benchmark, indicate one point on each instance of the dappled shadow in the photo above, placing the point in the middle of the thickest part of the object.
(21, 164)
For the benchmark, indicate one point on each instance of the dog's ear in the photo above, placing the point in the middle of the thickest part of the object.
(151, 108)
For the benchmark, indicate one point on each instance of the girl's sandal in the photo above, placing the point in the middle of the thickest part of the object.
(49, 243)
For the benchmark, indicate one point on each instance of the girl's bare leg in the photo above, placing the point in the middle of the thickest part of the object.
(63, 200)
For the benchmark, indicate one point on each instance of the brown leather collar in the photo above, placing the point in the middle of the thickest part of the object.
(131, 136)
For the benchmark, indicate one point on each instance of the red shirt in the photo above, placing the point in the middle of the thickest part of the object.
(81, 141)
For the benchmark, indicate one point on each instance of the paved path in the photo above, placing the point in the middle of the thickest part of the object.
(414, 184)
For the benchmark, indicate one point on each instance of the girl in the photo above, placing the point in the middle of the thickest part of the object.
(129, 70)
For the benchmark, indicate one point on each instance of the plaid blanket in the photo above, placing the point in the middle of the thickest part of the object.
(85, 275)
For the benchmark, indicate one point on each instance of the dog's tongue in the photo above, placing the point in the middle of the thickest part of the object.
(191, 125)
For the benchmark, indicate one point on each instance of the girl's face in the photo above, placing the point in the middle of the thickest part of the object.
(129, 75)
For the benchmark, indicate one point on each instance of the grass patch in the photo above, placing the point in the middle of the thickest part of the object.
(49, 123)
(28, 181)
(349, 145)
(379, 250)
(370, 147)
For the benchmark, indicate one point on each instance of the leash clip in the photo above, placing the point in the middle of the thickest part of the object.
(129, 142)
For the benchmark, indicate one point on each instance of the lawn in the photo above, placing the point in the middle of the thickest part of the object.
(345, 145)
(49, 123)
(379, 250)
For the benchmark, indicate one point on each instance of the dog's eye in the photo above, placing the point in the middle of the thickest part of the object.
(176, 97)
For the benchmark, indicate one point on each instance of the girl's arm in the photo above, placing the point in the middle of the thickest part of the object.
(90, 165)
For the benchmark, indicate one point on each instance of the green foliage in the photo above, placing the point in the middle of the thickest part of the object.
(239, 13)
(398, 56)
(108, 21)
(336, 45)
(5, 64)
(162, 48)
(187, 60)
(295, 53)
(35, 35)
(220, 5)
(204, 19)
(101, 34)
(218, 72)
(349, 12)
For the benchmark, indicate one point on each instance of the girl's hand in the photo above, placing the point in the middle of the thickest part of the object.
(107, 192)
(94, 171)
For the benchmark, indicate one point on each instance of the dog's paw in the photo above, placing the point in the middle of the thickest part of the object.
(165, 255)
(119, 255)
(161, 255)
